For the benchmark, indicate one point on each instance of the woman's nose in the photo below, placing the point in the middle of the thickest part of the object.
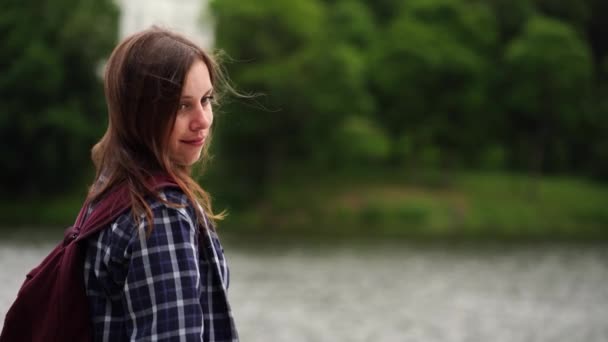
(203, 117)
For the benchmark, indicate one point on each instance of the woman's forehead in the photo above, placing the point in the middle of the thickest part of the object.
(197, 81)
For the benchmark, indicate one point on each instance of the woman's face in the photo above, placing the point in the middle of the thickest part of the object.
(194, 116)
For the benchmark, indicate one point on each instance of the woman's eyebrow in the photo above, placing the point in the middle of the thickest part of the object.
(187, 97)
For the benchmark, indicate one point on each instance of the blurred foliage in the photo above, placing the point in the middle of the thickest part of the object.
(308, 61)
(360, 141)
(516, 85)
(549, 75)
(449, 102)
(51, 101)
(429, 75)
(397, 203)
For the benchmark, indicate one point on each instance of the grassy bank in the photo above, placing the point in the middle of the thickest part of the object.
(431, 205)
(394, 204)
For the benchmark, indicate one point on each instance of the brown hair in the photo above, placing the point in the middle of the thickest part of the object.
(143, 82)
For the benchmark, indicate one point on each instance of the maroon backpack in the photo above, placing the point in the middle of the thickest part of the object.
(51, 305)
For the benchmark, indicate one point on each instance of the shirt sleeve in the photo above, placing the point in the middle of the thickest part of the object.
(162, 288)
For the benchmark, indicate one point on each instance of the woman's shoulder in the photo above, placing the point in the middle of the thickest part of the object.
(170, 194)
(169, 202)
(173, 201)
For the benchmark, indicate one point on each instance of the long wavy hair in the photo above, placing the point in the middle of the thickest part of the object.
(143, 83)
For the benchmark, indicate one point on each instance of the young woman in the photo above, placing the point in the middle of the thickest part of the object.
(158, 272)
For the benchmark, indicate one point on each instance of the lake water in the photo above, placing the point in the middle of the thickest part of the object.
(399, 291)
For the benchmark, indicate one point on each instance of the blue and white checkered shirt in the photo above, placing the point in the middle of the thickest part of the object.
(169, 285)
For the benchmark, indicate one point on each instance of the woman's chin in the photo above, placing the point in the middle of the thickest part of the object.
(186, 161)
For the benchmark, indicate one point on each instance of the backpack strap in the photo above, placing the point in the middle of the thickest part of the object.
(109, 208)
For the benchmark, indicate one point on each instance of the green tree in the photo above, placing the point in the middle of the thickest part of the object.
(430, 74)
(360, 141)
(50, 96)
(550, 72)
(311, 70)
(574, 13)
(384, 11)
(511, 16)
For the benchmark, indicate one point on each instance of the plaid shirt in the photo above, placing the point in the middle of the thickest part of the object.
(169, 285)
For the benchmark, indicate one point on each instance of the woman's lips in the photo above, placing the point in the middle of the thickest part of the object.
(194, 142)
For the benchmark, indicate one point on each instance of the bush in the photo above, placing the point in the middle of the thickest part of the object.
(361, 140)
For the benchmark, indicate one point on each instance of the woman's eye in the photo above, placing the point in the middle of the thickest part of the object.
(206, 100)
(183, 106)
